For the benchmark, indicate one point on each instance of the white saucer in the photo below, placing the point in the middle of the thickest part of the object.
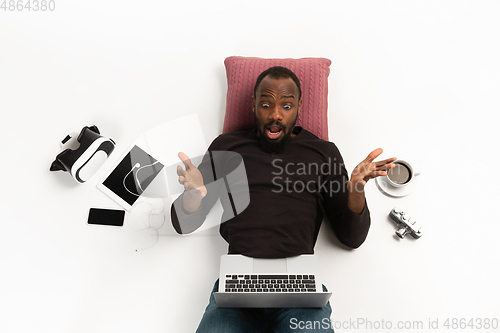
(385, 187)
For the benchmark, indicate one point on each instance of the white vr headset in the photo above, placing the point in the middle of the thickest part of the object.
(82, 156)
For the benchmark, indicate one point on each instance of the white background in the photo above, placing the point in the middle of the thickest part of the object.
(418, 78)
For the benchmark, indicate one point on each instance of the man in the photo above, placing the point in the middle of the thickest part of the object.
(294, 179)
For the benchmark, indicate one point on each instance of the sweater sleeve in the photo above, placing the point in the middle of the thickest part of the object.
(351, 229)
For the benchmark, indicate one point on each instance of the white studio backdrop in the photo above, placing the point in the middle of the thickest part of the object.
(417, 78)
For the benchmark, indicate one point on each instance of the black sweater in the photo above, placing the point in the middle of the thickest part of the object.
(289, 194)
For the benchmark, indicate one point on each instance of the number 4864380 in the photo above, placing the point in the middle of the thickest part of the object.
(28, 5)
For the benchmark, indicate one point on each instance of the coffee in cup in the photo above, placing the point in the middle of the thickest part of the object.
(402, 174)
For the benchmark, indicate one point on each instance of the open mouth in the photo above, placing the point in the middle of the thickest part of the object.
(274, 132)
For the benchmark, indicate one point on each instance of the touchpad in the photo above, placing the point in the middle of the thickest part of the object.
(269, 265)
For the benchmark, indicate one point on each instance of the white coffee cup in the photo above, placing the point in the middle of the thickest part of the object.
(402, 175)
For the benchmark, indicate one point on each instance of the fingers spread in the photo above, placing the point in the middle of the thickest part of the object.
(368, 169)
(386, 167)
(180, 171)
(387, 161)
(185, 159)
(373, 155)
(365, 169)
(371, 170)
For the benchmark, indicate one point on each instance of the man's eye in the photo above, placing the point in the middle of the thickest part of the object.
(287, 107)
(265, 105)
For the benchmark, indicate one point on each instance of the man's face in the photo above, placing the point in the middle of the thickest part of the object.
(276, 106)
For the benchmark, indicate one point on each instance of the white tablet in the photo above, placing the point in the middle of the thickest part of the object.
(131, 176)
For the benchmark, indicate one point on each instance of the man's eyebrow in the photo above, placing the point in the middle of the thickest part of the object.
(269, 96)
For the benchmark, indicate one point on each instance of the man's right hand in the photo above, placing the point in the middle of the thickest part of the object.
(192, 180)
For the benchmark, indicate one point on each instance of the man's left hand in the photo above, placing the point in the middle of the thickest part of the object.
(367, 170)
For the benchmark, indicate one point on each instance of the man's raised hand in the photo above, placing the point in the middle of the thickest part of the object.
(368, 169)
(191, 177)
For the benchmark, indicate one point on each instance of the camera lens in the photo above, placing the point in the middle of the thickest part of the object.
(402, 232)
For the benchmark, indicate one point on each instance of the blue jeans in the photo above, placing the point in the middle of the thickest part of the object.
(236, 320)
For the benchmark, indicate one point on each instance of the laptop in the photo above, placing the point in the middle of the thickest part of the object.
(293, 282)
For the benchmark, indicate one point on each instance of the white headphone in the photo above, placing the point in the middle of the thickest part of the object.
(136, 179)
(139, 223)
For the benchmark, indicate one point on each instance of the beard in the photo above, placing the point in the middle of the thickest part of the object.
(274, 146)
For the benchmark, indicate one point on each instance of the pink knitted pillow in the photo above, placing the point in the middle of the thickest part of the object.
(242, 72)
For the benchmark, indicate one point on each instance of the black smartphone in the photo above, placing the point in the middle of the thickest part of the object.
(101, 216)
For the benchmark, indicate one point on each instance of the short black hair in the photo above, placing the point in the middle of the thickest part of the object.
(277, 72)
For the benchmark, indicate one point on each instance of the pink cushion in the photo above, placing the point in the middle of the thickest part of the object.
(242, 72)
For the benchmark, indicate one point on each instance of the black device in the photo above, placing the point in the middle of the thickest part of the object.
(130, 178)
(113, 217)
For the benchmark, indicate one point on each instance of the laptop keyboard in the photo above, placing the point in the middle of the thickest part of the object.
(270, 283)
